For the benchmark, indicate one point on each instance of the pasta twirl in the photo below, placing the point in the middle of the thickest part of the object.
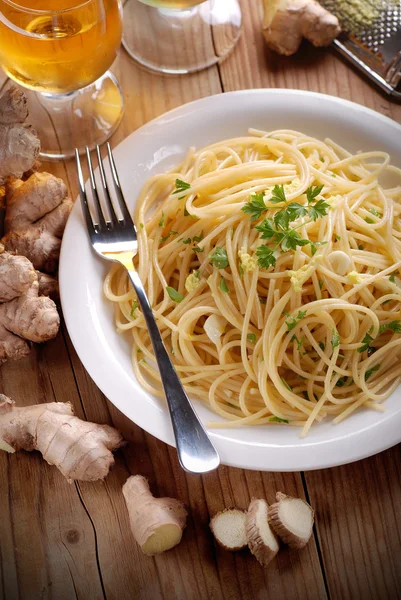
(271, 262)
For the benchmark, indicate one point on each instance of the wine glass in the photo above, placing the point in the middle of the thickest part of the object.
(180, 36)
(61, 50)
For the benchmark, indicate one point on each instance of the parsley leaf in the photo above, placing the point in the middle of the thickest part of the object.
(365, 343)
(223, 286)
(267, 229)
(394, 326)
(292, 321)
(282, 220)
(255, 207)
(219, 258)
(375, 212)
(251, 337)
(134, 306)
(275, 419)
(141, 225)
(174, 295)
(162, 220)
(197, 249)
(170, 233)
(318, 210)
(369, 221)
(181, 186)
(187, 241)
(296, 210)
(265, 257)
(370, 371)
(392, 276)
(335, 340)
(291, 240)
(198, 238)
(313, 192)
(299, 342)
(278, 195)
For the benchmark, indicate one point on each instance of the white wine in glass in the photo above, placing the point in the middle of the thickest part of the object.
(62, 50)
(180, 36)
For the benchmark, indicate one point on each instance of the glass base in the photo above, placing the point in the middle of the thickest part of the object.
(180, 41)
(76, 120)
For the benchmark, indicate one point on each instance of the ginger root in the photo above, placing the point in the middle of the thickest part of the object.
(286, 22)
(292, 520)
(36, 213)
(80, 450)
(19, 144)
(229, 528)
(262, 541)
(24, 315)
(157, 523)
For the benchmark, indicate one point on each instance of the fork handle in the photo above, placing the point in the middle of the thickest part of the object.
(196, 452)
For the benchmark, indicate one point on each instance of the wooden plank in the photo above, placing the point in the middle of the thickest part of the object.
(47, 542)
(359, 508)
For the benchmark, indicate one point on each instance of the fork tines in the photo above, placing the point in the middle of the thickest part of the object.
(102, 223)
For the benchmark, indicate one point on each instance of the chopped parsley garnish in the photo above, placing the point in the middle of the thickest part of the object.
(322, 346)
(162, 220)
(392, 276)
(278, 195)
(134, 306)
(361, 247)
(313, 192)
(181, 186)
(141, 225)
(197, 249)
(292, 321)
(174, 295)
(375, 212)
(198, 238)
(365, 342)
(298, 342)
(219, 258)
(335, 340)
(255, 207)
(165, 238)
(251, 337)
(320, 284)
(394, 326)
(287, 385)
(337, 238)
(370, 371)
(341, 382)
(187, 241)
(278, 229)
(369, 221)
(275, 419)
(223, 286)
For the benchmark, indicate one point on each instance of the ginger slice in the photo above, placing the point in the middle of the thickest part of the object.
(292, 519)
(262, 541)
(80, 450)
(157, 523)
(286, 22)
(229, 528)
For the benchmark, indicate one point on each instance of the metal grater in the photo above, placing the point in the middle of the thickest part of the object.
(371, 39)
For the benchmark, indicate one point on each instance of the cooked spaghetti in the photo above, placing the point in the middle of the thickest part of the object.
(271, 263)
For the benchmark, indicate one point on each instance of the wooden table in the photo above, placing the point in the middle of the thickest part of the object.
(64, 541)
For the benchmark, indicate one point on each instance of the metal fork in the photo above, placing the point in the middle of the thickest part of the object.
(116, 240)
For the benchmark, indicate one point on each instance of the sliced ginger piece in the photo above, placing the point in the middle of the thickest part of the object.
(157, 523)
(286, 22)
(262, 540)
(292, 520)
(229, 528)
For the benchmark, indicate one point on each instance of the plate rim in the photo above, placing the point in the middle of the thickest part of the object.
(166, 434)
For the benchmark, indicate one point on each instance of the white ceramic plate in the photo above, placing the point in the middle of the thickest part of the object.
(158, 146)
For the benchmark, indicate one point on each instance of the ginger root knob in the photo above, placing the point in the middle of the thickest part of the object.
(157, 523)
(286, 22)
